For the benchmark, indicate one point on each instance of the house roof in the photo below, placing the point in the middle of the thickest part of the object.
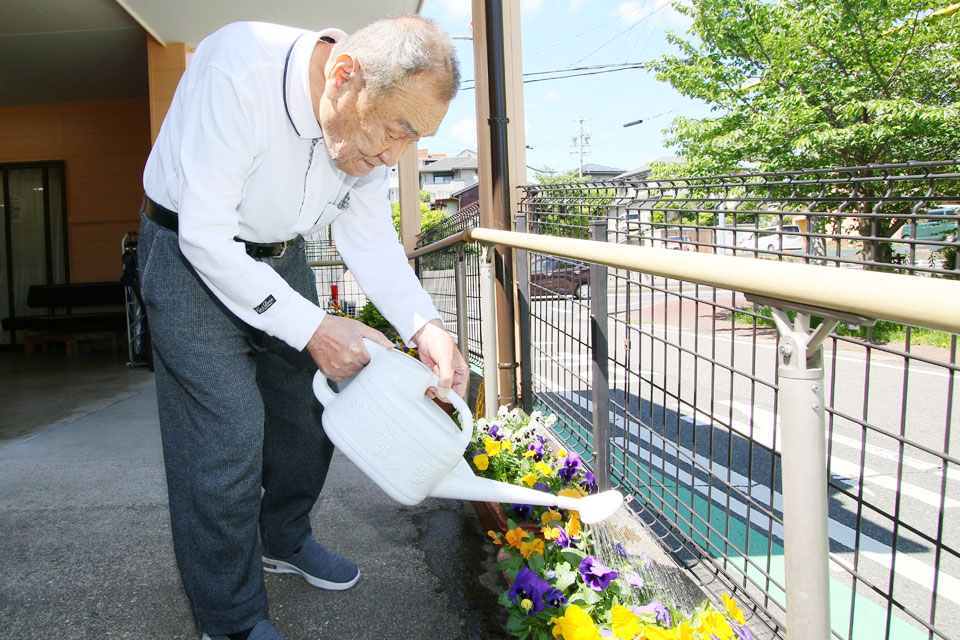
(599, 169)
(451, 164)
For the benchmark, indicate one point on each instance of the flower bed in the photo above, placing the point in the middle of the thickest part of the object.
(563, 583)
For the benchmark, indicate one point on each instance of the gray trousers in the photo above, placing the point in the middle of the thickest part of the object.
(237, 413)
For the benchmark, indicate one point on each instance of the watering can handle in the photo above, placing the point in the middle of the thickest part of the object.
(322, 390)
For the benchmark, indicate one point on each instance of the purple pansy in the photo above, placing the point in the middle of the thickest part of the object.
(523, 511)
(540, 486)
(493, 431)
(537, 447)
(620, 550)
(563, 539)
(597, 576)
(571, 465)
(658, 609)
(742, 633)
(589, 482)
(530, 586)
(634, 580)
(554, 598)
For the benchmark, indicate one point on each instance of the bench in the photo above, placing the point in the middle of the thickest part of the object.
(75, 312)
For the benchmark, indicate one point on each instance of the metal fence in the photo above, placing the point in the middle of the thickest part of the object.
(694, 401)
(694, 404)
(438, 271)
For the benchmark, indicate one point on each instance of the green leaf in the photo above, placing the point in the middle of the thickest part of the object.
(536, 563)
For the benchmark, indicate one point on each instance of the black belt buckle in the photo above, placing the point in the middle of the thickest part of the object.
(265, 249)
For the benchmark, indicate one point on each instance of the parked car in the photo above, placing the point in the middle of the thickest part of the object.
(678, 243)
(772, 239)
(934, 227)
(549, 275)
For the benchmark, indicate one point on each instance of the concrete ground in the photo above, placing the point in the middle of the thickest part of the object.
(85, 548)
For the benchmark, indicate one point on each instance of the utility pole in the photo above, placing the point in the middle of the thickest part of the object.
(581, 143)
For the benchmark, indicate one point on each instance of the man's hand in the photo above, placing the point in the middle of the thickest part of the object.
(337, 348)
(439, 352)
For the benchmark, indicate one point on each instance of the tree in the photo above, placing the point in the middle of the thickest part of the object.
(813, 83)
(818, 83)
(428, 217)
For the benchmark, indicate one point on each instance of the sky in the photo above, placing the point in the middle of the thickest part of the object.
(561, 34)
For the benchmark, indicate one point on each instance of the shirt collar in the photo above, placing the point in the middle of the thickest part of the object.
(297, 83)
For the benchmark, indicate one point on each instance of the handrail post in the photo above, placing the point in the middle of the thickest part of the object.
(488, 325)
(803, 463)
(523, 317)
(599, 355)
(460, 284)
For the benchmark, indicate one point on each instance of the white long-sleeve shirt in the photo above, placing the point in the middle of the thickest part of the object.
(241, 154)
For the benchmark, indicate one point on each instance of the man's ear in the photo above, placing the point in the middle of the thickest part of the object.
(343, 69)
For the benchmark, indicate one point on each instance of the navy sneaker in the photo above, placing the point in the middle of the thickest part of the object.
(318, 566)
(263, 631)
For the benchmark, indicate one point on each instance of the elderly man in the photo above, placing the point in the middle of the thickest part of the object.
(273, 134)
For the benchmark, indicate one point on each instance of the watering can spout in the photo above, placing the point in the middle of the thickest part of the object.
(462, 484)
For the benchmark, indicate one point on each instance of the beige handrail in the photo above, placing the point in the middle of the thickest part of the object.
(924, 302)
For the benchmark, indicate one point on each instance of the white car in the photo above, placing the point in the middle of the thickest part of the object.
(772, 239)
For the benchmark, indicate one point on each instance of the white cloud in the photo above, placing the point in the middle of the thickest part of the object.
(631, 12)
(465, 131)
(553, 96)
(454, 10)
(529, 7)
(575, 5)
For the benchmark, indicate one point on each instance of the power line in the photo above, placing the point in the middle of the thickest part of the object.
(577, 72)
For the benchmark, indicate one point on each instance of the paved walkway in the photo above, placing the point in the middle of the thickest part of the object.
(85, 549)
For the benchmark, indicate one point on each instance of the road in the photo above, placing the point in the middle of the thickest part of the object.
(694, 412)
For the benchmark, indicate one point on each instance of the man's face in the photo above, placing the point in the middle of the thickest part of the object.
(363, 131)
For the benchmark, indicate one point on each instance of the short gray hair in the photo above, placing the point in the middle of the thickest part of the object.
(394, 50)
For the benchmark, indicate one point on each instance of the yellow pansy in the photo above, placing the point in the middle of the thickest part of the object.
(506, 445)
(550, 533)
(528, 454)
(530, 479)
(682, 632)
(532, 546)
(481, 461)
(544, 469)
(730, 604)
(570, 492)
(492, 446)
(526, 604)
(573, 527)
(549, 516)
(495, 536)
(515, 537)
(575, 624)
(713, 623)
(562, 453)
(625, 623)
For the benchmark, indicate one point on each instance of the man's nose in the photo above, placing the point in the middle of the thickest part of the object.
(391, 155)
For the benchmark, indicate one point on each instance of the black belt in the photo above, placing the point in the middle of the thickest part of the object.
(168, 220)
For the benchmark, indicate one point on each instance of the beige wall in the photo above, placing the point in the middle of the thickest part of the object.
(104, 146)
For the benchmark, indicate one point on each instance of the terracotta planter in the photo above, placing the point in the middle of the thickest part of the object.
(492, 518)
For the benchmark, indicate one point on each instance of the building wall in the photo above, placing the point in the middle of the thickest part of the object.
(104, 146)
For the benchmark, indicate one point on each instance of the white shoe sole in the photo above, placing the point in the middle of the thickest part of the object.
(279, 566)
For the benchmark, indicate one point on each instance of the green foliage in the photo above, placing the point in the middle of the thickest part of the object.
(573, 204)
(818, 83)
(428, 217)
(371, 316)
(813, 83)
(882, 332)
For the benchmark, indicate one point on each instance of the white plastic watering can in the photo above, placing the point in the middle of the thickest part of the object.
(411, 448)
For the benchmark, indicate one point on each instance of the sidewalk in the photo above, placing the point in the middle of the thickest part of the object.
(85, 549)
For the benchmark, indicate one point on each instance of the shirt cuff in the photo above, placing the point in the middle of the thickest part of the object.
(299, 322)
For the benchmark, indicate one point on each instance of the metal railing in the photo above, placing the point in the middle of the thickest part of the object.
(696, 375)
